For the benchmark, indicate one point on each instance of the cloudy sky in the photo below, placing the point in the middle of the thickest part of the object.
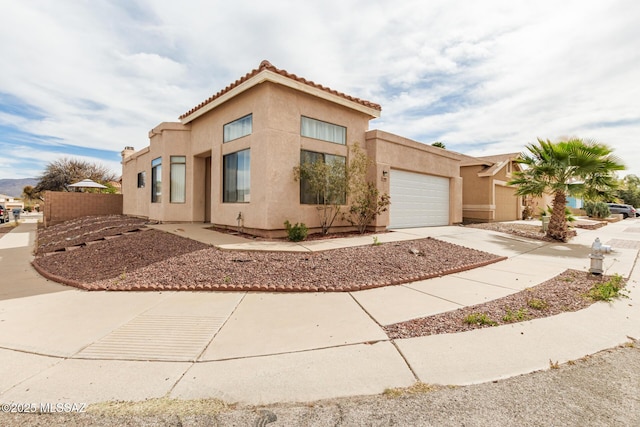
(84, 79)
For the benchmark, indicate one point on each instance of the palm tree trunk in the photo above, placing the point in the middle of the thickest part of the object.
(558, 229)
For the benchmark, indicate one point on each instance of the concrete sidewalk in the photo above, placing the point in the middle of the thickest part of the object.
(59, 344)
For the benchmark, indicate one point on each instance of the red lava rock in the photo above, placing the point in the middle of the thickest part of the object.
(137, 259)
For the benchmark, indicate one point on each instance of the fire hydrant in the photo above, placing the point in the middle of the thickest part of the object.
(597, 256)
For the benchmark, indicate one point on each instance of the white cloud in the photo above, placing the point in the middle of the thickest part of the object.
(484, 77)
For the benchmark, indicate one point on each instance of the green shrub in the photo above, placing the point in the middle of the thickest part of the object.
(296, 233)
(537, 304)
(515, 316)
(597, 209)
(606, 291)
(479, 319)
(567, 213)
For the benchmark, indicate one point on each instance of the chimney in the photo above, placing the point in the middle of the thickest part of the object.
(127, 152)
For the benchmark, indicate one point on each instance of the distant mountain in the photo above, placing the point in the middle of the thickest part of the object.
(13, 187)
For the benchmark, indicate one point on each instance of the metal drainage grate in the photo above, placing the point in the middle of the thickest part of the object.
(149, 337)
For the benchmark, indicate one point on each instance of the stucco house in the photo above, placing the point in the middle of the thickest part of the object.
(486, 195)
(229, 160)
(11, 203)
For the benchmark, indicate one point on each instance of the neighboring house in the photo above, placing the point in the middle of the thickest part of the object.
(575, 202)
(11, 203)
(117, 185)
(486, 195)
(230, 160)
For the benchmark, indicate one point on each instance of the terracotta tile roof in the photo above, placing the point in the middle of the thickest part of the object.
(501, 157)
(466, 160)
(266, 65)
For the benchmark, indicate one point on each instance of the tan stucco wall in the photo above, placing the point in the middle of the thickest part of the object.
(477, 194)
(166, 140)
(136, 200)
(486, 198)
(388, 151)
(507, 204)
(275, 144)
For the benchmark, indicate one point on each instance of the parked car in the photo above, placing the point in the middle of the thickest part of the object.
(626, 210)
(4, 214)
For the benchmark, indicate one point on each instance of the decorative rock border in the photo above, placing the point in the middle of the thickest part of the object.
(93, 242)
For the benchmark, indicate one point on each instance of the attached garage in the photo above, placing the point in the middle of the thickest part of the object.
(506, 202)
(418, 200)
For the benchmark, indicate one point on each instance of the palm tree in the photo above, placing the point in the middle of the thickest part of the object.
(566, 168)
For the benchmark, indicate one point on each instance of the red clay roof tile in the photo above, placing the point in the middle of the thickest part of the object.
(266, 65)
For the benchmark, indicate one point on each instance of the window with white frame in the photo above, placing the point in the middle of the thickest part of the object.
(238, 128)
(310, 197)
(178, 190)
(156, 180)
(236, 177)
(317, 129)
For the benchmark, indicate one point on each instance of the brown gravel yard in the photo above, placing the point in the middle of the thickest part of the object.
(150, 260)
(85, 230)
(5, 229)
(565, 292)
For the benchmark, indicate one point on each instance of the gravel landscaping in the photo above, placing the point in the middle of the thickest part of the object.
(85, 230)
(4, 228)
(565, 292)
(155, 260)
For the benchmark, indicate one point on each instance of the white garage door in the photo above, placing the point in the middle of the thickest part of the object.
(418, 200)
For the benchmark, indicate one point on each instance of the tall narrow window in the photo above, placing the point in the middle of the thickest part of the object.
(141, 179)
(236, 177)
(316, 129)
(178, 179)
(333, 176)
(238, 128)
(156, 180)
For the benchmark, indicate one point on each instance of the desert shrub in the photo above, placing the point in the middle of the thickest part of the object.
(608, 290)
(297, 232)
(597, 209)
(479, 319)
(367, 204)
